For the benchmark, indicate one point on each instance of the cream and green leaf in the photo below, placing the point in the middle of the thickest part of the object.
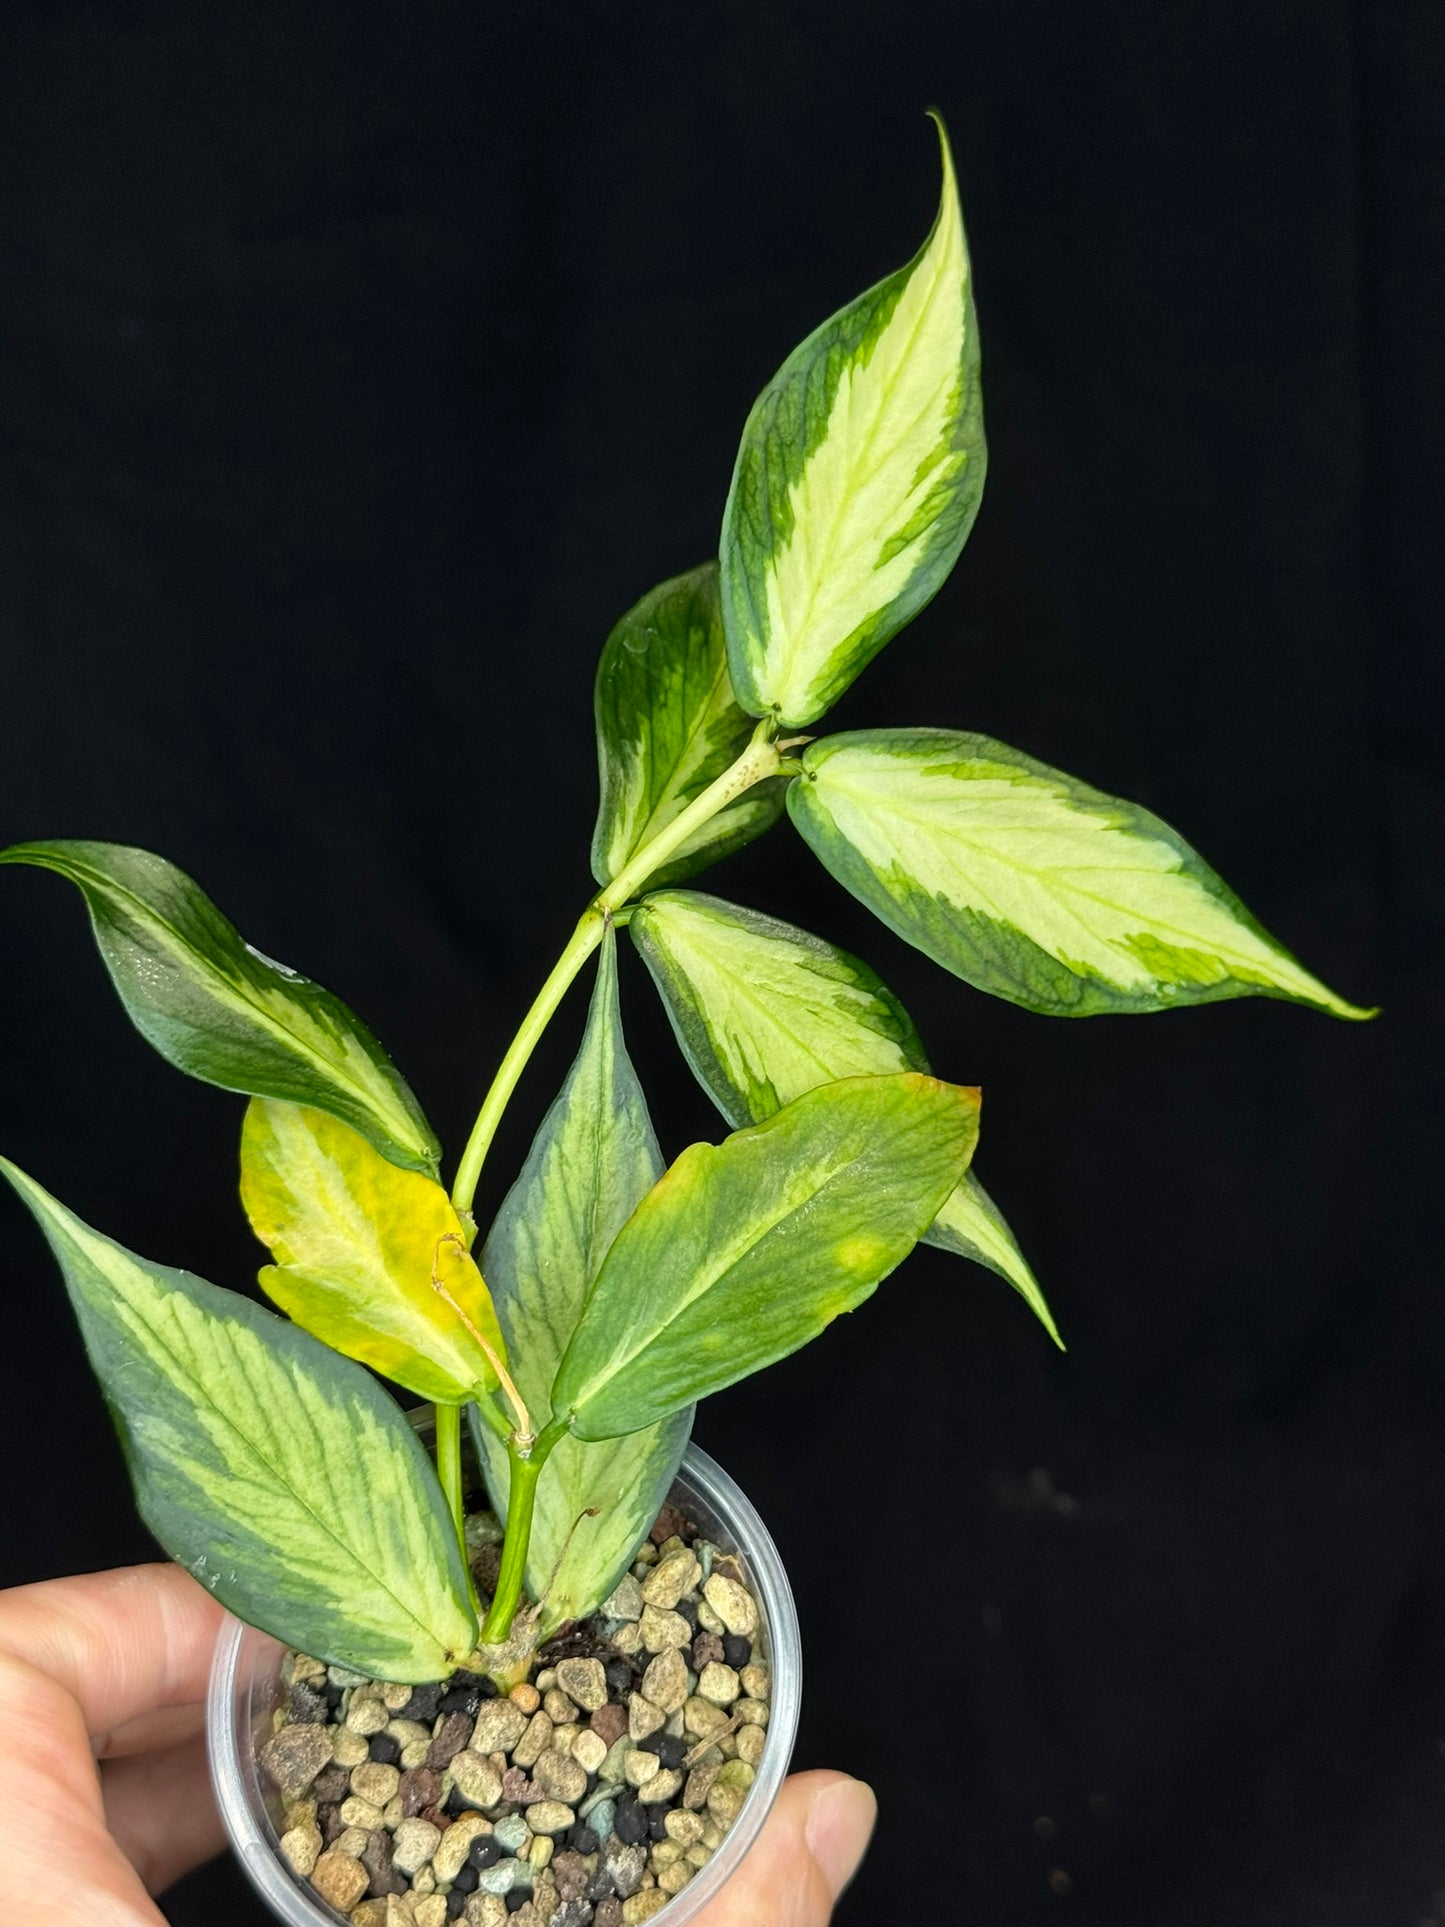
(281, 1475)
(668, 725)
(765, 1011)
(594, 1158)
(219, 1010)
(370, 1258)
(1028, 883)
(970, 1225)
(745, 1250)
(857, 482)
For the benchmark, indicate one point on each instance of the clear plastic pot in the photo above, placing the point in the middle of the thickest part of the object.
(246, 1687)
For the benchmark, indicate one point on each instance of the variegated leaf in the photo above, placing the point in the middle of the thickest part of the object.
(971, 1225)
(1031, 885)
(668, 724)
(764, 1011)
(858, 478)
(278, 1473)
(369, 1258)
(216, 1008)
(745, 1250)
(593, 1159)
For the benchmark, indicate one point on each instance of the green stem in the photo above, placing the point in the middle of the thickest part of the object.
(524, 1471)
(449, 1471)
(521, 1501)
(583, 941)
(760, 760)
(449, 1465)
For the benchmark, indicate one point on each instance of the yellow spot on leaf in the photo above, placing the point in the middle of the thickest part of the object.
(861, 1253)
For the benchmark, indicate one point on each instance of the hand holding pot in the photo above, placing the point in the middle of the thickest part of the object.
(105, 1797)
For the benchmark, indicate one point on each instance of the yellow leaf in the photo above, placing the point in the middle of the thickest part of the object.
(369, 1258)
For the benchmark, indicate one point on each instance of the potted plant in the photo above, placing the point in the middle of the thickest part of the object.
(548, 1668)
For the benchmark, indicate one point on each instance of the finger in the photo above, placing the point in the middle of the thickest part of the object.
(121, 1643)
(803, 1859)
(155, 1732)
(161, 1811)
(59, 1857)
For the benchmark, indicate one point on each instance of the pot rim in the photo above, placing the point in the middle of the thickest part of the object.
(729, 1515)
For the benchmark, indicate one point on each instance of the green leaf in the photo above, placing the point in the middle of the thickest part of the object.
(744, 1251)
(857, 481)
(1030, 884)
(370, 1259)
(282, 1476)
(213, 1006)
(668, 724)
(764, 1011)
(594, 1158)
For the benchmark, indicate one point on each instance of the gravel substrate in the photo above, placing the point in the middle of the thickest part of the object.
(587, 1797)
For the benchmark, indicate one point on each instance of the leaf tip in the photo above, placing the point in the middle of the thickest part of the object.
(1319, 996)
(20, 1182)
(1353, 1013)
(945, 152)
(36, 855)
(968, 1097)
(1027, 1286)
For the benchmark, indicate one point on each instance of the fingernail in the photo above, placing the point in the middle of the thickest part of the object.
(840, 1825)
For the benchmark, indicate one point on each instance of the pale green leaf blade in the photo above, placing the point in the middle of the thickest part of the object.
(744, 1251)
(668, 725)
(765, 1011)
(219, 1010)
(369, 1258)
(281, 1475)
(1031, 885)
(972, 1226)
(857, 482)
(594, 1158)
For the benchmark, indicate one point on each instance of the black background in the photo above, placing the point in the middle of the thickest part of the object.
(362, 362)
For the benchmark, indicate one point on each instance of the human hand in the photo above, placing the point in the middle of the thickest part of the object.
(105, 1797)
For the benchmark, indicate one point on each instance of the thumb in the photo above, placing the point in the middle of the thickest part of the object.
(804, 1857)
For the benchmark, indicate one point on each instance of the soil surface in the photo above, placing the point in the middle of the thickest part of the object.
(588, 1796)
